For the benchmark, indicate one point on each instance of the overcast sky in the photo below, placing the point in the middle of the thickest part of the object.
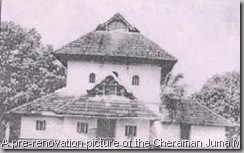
(204, 35)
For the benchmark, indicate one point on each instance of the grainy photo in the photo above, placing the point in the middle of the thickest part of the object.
(120, 74)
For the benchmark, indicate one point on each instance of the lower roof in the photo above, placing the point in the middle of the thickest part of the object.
(194, 113)
(83, 106)
(61, 103)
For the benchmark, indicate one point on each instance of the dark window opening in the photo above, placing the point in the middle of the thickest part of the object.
(82, 127)
(92, 78)
(185, 131)
(40, 125)
(130, 131)
(135, 80)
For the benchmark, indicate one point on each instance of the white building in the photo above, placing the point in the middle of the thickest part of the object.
(113, 91)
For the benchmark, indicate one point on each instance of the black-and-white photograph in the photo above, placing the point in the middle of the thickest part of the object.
(120, 74)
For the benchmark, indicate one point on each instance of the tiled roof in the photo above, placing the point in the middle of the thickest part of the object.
(190, 112)
(83, 106)
(51, 102)
(115, 43)
(109, 98)
(193, 112)
(110, 104)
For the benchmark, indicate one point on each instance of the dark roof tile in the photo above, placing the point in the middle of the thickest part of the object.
(69, 105)
(193, 112)
(115, 43)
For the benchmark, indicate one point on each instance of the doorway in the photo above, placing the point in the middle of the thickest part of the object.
(106, 128)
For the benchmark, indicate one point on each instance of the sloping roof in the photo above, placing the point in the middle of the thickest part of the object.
(114, 43)
(51, 102)
(83, 106)
(92, 104)
(193, 112)
(190, 112)
(95, 104)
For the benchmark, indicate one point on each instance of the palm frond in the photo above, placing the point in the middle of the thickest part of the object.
(176, 79)
(167, 79)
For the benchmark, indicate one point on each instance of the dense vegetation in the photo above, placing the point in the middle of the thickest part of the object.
(27, 68)
(222, 94)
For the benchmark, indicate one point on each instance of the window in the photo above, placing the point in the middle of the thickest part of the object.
(40, 125)
(185, 131)
(130, 131)
(92, 78)
(135, 80)
(82, 127)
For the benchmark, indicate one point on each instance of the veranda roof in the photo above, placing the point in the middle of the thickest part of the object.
(83, 106)
(194, 113)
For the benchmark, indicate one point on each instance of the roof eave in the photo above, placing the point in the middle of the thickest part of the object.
(64, 58)
(152, 118)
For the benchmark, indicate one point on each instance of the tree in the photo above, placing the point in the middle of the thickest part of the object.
(171, 94)
(27, 68)
(171, 85)
(222, 94)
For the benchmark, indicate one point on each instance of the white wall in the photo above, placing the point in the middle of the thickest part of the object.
(204, 133)
(66, 128)
(28, 128)
(70, 128)
(148, 91)
(56, 128)
(169, 132)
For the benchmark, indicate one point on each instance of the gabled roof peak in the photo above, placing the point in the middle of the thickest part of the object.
(118, 16)
(110, 85)
(117, 22)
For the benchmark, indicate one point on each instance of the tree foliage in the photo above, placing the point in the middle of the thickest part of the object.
(27, 68)
(222, 94)
(171, 85)
(171, 94)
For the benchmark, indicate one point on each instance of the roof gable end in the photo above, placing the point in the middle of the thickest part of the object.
(117, 22)
(111, 85)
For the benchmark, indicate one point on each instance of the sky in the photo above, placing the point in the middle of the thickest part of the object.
(204, 35)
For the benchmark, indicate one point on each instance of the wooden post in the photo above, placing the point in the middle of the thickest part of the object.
(7, 130)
